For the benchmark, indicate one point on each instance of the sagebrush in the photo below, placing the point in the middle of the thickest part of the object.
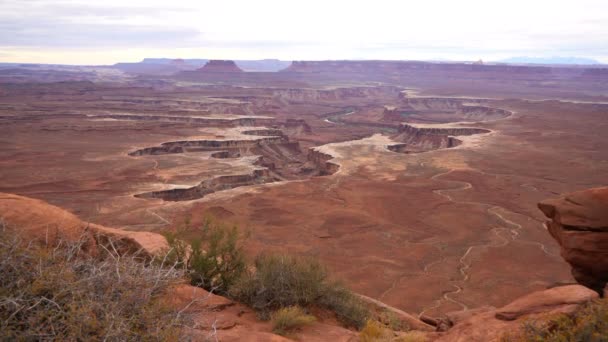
(61, 293)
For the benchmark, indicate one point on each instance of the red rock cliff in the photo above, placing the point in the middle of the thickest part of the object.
(579, 223)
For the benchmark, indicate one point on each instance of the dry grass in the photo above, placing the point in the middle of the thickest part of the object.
(287, 320)
(61, 293)
(375, 331)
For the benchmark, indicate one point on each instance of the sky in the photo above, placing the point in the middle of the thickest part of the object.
(110, 31)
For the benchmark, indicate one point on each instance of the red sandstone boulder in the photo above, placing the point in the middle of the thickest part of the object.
(564, 299)
(579, 223)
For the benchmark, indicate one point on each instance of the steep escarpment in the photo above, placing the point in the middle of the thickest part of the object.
(278, 159)
(322, 161)
(579, 223)
(211, 185)
(442, 110)
(185, 146)
(415, 139)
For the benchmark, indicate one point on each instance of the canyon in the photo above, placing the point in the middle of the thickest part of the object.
(416, 183)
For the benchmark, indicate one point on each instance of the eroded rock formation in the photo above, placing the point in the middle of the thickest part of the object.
(442, 110)
(278, 159)
(212, 185)
(415, 139)
(579, 223)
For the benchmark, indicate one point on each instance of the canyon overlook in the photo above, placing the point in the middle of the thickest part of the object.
(417, 184)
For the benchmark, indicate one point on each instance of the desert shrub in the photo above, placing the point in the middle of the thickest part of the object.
(374, 331)
(178, 251)
(281, 281)
(214, 260)
(350, 310)
(286, 320)
(589, 324)
(391, 320)
(60, 293)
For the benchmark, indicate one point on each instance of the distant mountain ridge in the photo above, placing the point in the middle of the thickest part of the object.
(550, 60)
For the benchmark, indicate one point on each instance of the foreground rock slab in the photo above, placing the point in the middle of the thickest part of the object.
(579, 223)
(562, 299)
(492, 325)
(36, 220)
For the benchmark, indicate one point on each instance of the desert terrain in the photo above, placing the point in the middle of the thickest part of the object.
(416, 183)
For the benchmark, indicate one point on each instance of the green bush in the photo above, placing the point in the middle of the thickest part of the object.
(350, 310)
(589, 324)
(286, 320)
(60, 293)
(281, 281)
(214, 260)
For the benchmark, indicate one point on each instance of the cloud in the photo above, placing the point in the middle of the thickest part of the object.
(317, 29)
(58, 24)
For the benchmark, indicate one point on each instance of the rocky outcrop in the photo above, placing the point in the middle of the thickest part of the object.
(223, 66)
(207, 145)
(563, 299)
(489, 324)
(264, 132)
(579, 223)
(226, 154)
(421, 139)
(38, 221)
(296, 127)
(442, 110)
(210, 186)
(322, 161)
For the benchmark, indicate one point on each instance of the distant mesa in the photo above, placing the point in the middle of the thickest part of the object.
(220, 66)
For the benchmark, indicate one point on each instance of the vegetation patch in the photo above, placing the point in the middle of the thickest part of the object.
(289, 319)
(281, 281)
(61, 293)
(214, 260)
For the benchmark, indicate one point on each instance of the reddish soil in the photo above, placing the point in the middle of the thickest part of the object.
(445, 220)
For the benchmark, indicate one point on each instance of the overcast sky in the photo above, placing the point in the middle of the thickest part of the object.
(108, 31)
